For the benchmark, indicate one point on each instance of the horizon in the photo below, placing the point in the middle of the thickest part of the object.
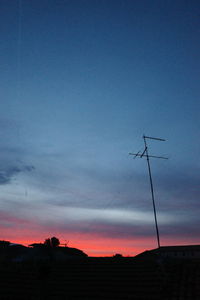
(107, 254)
(81, 82)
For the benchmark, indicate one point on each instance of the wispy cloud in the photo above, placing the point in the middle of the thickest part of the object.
(9, 172)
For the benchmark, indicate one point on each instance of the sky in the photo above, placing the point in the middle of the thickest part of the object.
(81, 82)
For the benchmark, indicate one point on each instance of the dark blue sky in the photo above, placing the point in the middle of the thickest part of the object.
(81, 82)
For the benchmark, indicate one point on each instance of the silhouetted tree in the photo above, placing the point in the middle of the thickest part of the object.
(55, 242)
(52, 242)
(118, 255)
(47, 242)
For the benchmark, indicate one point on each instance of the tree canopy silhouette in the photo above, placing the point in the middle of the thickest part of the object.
(52, 242)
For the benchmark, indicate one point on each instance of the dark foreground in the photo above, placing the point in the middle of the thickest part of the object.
(101, 278)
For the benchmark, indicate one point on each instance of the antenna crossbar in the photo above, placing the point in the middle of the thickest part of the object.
(144, 155)
(153, 138)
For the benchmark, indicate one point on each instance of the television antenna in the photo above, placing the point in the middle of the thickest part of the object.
(65, 244)
(145, 153)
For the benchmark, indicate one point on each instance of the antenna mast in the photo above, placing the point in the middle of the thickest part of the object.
(145, 153)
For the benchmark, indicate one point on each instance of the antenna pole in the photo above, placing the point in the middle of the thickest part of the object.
(152, 191)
